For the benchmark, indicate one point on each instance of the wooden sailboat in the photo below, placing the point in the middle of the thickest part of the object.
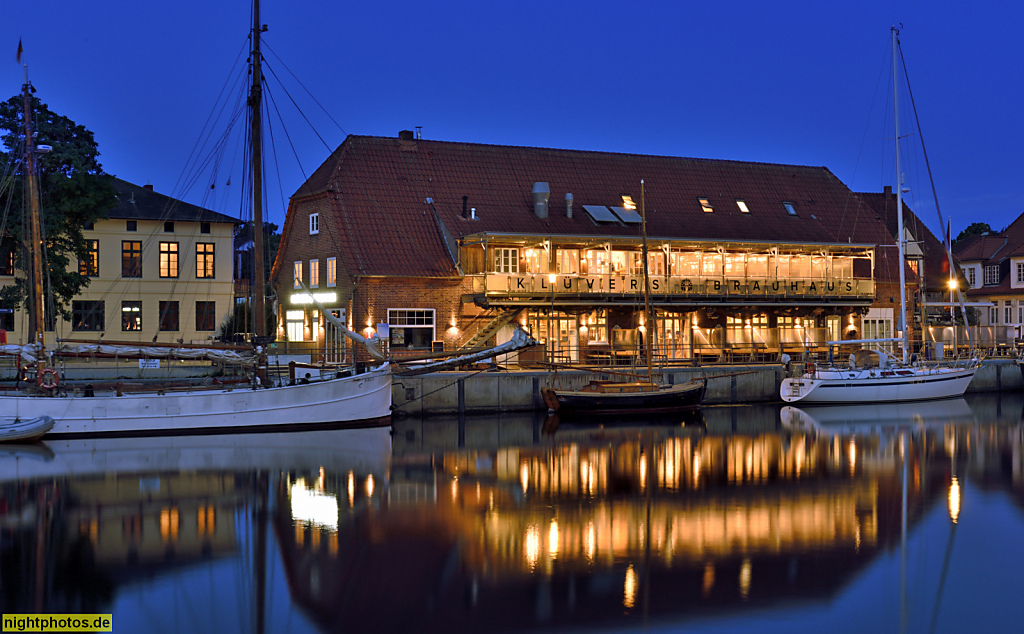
(880, 379)
(347, 398)
(615, 397)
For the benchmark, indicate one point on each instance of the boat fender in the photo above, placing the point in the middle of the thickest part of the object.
(48, 379)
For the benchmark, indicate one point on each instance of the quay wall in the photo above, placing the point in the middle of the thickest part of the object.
(512, 391)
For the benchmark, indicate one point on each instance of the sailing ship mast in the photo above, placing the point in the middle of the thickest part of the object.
(904, 335)
(35, 234)
(255, 105)
(649, 323)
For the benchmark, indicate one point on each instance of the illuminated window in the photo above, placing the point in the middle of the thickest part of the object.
(297, 275)
(411, 328)
(206, 520)
(169, 524)
(332, 271)
(743, 206)
(567, 261)
(168, 259)
(131, 316)
(790, 209)
(295, 322)
(7, 247)
(627, 202)
(314, 273)
(90, 264)
(506, 260)
(204, 260)
(705, 204)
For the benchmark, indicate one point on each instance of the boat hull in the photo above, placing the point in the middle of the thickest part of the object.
(363, 399)
(671, 398)
(874, 386)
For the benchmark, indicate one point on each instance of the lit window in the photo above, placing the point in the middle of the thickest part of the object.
(314, 224)
(297, 275)
(168, 259)
(204, 259)
(411, 328)
(90, 264)
(314, 273)
(705, 204)
(790, 209)
(506, 260)
(627, 202)
(332, 271)
(131, 316)
(743, 206)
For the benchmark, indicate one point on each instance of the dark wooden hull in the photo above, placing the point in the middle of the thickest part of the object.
(666, 399)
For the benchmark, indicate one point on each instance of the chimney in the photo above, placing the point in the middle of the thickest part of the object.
(541, 191)
(568, 205)
(148, 187)
(887, 190)
(465, 200)
(405, 135)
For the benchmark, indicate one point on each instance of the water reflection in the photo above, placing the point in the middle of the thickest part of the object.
(518, 522)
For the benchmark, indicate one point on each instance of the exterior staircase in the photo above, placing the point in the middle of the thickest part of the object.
(487, 330)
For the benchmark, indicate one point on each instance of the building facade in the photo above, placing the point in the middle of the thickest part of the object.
(993, 270)
(160, 270)
(439, 244)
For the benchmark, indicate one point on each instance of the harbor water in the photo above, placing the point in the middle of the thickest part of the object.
(750, 518)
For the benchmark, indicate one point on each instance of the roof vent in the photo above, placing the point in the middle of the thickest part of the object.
(541, 191)
(568, 205)
(405, 135)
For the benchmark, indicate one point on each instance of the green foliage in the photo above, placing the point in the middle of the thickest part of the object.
(239, 327)
(974, 229)
(74, 191)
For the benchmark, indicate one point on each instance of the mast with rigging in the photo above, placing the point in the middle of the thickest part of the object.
(255, 105)
(34, 240)
(900, 234)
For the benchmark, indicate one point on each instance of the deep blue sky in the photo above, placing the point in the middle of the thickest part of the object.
(783, 82)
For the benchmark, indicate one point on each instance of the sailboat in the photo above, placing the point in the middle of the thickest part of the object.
(347, 398)
(872, 376)
(617, 397)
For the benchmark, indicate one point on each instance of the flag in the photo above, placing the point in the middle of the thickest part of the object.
(21, 49)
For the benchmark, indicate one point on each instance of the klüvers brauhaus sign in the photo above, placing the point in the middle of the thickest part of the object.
(514, 284)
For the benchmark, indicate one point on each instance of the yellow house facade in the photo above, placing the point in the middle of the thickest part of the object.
(160, 272)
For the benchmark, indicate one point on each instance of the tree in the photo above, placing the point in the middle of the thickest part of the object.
(974, 229)
(74, 192)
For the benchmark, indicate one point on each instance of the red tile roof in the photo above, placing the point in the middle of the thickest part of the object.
(936, 261)
(376, 188)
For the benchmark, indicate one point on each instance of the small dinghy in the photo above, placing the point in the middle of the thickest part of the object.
(29, 429)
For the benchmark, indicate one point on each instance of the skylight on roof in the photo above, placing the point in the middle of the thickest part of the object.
(790, 209)
(627, 202)
(706, 205)
(743, 206)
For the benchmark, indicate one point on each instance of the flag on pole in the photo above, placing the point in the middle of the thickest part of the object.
(21, 49)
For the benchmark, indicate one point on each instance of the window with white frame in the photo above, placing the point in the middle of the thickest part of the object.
(1020, 312)
(506, 260)
(1007, 312)
(297, 275)
(1020, 271)
(295, 325)
(993, 316)
(332, 271)
(411, 328)
(314, 224)
(972, 279)
(991, 274)
(314, 273)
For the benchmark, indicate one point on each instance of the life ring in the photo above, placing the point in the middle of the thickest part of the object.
(810, 368)
(47, 379)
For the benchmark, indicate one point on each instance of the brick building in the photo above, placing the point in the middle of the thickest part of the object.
(993, 266)
(443, 243)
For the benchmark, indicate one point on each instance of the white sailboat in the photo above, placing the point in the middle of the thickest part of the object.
(874, 377)
(346, 398)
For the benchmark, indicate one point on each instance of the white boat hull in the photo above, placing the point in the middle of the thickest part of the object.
(363, 398)
(877, 386)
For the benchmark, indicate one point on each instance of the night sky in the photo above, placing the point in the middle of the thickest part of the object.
(783, 82)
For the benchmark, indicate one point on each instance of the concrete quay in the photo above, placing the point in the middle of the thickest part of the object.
(519, 390)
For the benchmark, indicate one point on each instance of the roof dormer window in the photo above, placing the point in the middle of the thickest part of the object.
(742, 206)
(705, 204)
(991, 274)
(627, 202)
